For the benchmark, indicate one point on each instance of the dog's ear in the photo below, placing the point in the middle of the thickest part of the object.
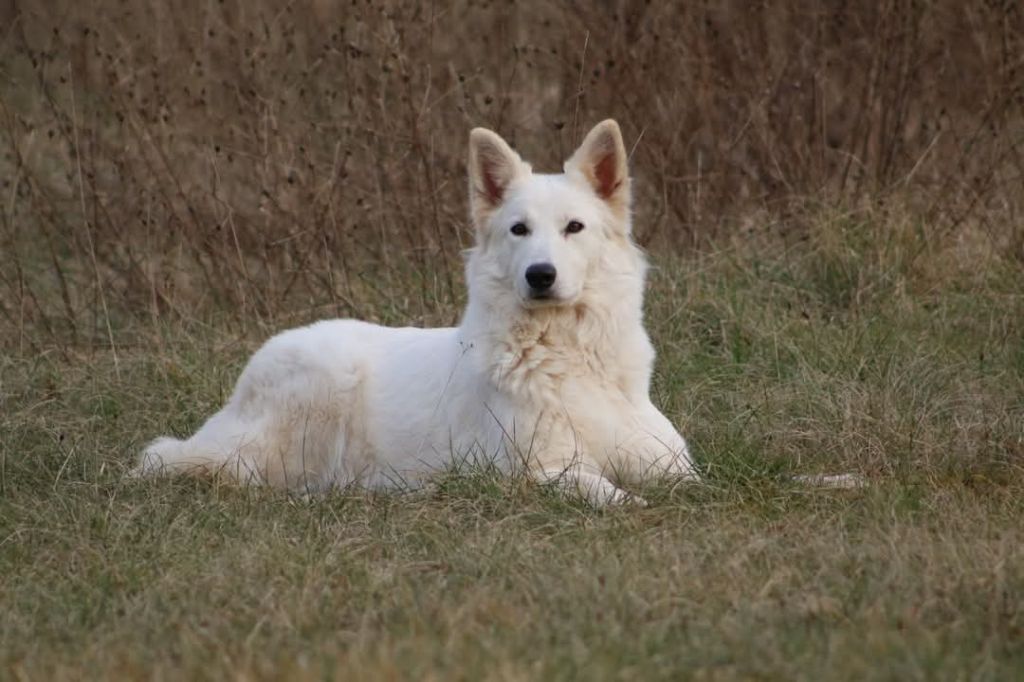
(493, 165)
(601, 161)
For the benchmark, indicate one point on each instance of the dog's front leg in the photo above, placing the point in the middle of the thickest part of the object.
(556, 456)
(652, 449)
(580, 480)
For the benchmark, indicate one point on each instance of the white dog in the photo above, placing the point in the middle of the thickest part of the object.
(549, 369)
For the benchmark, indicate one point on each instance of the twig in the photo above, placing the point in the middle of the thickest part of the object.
(579, 89)
(88, 226)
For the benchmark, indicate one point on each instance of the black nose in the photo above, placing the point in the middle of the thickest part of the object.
(540, 276)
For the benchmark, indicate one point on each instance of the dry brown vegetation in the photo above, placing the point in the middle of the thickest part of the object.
(258, 157)
(831, 194)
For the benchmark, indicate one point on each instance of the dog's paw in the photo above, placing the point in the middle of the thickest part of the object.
(635, 501)
(612, 496)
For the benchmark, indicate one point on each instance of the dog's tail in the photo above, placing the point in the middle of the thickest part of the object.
(171, 456)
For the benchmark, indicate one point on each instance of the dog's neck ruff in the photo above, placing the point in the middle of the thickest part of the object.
(532, 352)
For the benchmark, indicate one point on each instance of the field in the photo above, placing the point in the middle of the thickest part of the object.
(842, 292)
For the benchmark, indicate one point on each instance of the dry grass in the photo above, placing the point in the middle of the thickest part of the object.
(165, 158)
(843, 353)
(833, 199)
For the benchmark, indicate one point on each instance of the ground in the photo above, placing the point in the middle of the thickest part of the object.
(864, 346)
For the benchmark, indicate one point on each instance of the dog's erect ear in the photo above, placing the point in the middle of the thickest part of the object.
(601, 161)
(492, 168)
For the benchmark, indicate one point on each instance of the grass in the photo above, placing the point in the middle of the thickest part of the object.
(867, 346)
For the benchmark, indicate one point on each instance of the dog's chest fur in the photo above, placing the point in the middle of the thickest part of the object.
(545, 354)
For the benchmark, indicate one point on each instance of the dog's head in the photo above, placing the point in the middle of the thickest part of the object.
(547, 237)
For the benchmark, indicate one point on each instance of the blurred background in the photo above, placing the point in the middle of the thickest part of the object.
(274, 161)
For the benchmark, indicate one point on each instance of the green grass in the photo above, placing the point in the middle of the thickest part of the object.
(862, 349)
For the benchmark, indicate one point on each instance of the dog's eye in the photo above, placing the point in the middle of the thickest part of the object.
(573, 227)
(520, 230)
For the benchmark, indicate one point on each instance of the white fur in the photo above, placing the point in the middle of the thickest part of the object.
(558, 386)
